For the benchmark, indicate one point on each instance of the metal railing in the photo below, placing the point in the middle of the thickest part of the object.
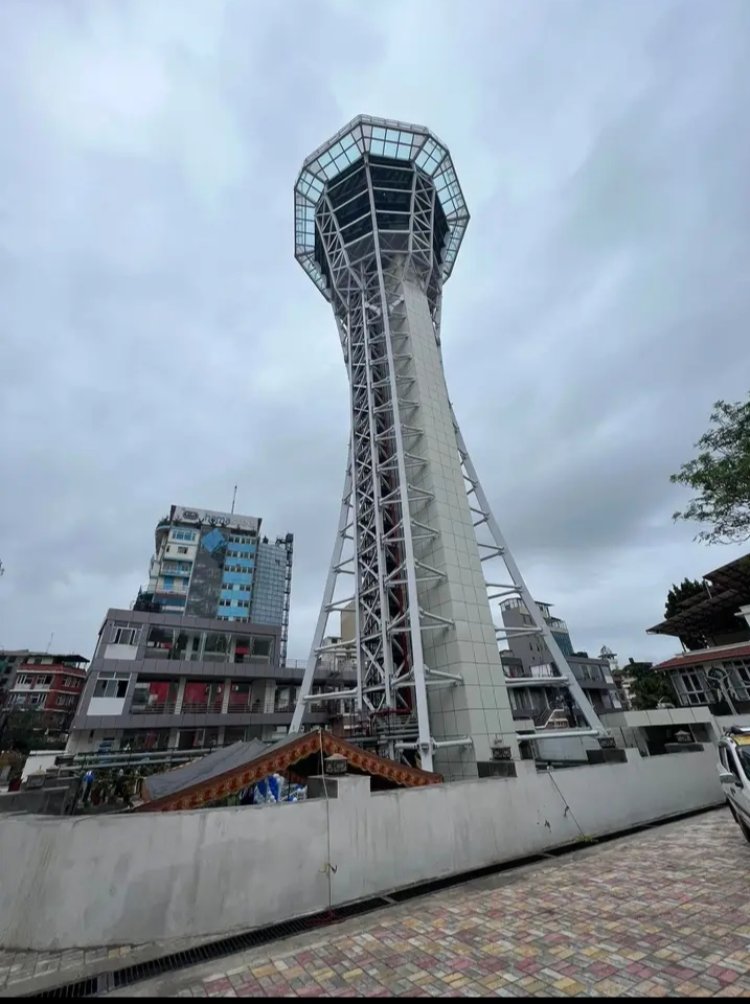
(204, 708)
(543, 672)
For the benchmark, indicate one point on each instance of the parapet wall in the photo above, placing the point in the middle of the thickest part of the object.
(114, 880)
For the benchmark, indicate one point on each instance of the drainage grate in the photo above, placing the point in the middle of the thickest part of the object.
(82, 988)
(103, 983)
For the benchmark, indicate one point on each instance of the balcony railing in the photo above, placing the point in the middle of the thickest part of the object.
(544, 672)
(183, 655)
(202, 708)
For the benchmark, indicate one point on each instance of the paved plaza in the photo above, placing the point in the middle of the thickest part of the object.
(663, 912)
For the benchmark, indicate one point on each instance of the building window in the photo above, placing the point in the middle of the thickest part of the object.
(740, 670)
(181, 550)
(216, 648)
(693, 687)
(183, 535)
(125, 636)
(262, 649)
(161, 638)
(109, 685)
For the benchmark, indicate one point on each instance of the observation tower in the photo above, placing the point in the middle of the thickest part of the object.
(419, 559)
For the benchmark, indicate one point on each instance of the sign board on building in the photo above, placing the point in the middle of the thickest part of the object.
(207, 517)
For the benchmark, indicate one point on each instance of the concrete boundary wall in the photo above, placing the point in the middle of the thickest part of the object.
(80, 882)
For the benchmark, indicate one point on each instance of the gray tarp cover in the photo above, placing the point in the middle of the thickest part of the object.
(208, 767)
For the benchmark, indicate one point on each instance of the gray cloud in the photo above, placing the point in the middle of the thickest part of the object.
(158, 343)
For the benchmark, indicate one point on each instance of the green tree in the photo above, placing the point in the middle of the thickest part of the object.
(26, 730)
(678, 594)
(720, 475)
(648, 687)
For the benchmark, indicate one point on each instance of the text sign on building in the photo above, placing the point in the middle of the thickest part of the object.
(210, 518)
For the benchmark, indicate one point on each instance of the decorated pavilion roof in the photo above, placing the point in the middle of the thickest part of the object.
(230, 770)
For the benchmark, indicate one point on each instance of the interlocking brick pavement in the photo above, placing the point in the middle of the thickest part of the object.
(18, 967)
(22, 972)
(665, 912)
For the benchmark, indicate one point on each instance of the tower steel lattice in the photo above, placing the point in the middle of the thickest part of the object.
(379, 220)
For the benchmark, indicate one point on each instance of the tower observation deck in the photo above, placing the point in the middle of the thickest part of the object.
(418, 554)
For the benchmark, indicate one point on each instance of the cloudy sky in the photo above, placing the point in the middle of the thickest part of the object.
(158, 342)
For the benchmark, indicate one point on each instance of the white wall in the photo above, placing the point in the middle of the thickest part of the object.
(565, 749)
(80, 741)
(39, 761)
(101, 706)
(113, 651)
(129, 879)
(658, 716)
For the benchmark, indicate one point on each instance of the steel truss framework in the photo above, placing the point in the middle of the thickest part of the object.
(377, 205)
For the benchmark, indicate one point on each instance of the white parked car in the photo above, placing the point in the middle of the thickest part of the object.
(734, 774)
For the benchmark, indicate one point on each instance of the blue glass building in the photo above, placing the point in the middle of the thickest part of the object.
(216, 565)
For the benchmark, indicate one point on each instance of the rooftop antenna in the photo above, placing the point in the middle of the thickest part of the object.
(49, 643)
(234, 498)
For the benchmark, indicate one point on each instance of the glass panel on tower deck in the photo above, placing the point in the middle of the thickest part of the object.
(354, 209)
(350, 181)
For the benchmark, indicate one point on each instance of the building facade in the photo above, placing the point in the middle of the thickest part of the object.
(713, 626)
(169, 681)
(534, 682)
(9, 662)
(212, 564)
(717, 678)
(624, 683)
(272, 587)
(50, 685)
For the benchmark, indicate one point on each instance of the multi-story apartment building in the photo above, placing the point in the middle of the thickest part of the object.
(9, 661)
(535, 685)
(165, 681)
(200, 660)
(49, 685)
(216, 564)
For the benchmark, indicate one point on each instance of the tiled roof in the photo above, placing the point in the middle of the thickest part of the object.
(229, 770)
(705, 655)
